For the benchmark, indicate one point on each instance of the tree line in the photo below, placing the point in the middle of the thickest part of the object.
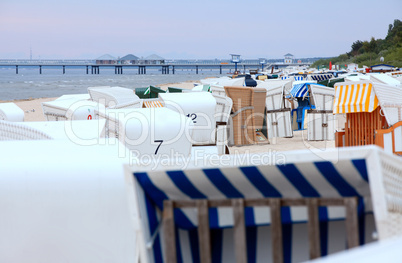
(369, 53)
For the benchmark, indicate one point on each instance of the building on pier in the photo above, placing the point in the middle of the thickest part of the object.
(106, 59)
(288, 58)
(154, 59)
(128, 59)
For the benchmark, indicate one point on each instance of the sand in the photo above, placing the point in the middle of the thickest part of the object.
(33, 112)
(33, 108)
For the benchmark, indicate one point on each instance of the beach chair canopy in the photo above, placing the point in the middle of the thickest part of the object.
(385, 79)
(150, 132)
(10, 131)
(275, 91)
(218, 90)
(81, 131)
(322, 97)
(332, 173)
(366, 96)
(62, 202)
(301, 90)
(197, 106)
(74, 108)
(210, 81)
(77, 96)
(321, 77)
(331, 82)
(356, 77)
(9, 111)
(201, 88)
(115, 97)
(177, 90)
(273, 83)
(232, 82)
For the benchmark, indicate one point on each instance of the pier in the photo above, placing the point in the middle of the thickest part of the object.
(169, 68)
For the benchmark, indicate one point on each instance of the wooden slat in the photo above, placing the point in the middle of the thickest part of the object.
(374, 127)
(360, 137)
(239, 236)
(353, 135)
(275, 205)
(203, 231)
(276, 231)
(169, 233)
(352, 228)
(347, 130)
(313, 228)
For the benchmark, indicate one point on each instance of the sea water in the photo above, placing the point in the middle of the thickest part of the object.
(28, 83)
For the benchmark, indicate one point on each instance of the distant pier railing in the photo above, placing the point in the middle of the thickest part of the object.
(165, 68)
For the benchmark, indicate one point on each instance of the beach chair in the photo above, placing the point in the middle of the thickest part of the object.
(242, 118)
(149, 132)
(385, 79)
(177, 90)
(321, 122)
(152, 103)
(201, 88)
(214, 81)
(278, 112)
(150, 92)
(9, 111)
(11, 131)
(331, 82)
(218, 90)
(301, 92)
(73, 108)
(81, 132)
(62, 200)
(371, 110)
(259, 115)
(115, 97)
(200, 108)
(232, 82)
(198, 211)
(222, 114)
(321, 77)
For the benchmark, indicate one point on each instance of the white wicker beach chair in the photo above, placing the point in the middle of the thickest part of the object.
(385, 79)
(222, 114)
(218, 90)
(386, 191)
(115, 97)
(10, 131)
(74, 108)
(11, 112)
(200, 108)
(62, 200)
(149, 132)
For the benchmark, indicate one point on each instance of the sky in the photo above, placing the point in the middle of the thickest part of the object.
(190, 29)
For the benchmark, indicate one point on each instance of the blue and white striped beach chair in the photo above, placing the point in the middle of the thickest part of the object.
(321, 77)
(300, 92)
(301, 174)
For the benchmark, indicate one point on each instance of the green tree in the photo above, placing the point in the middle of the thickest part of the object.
(356, 46)
(369, 52)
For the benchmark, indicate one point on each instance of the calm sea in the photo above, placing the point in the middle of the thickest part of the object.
(28, 83)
